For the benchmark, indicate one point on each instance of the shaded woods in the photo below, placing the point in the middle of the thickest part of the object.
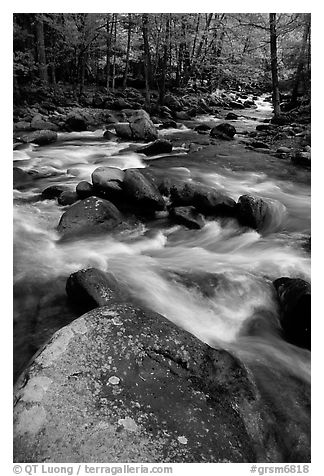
(161, 52)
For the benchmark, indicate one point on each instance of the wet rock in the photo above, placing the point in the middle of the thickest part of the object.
(84, 189)
(40, 137)
(252, 211)
(168, 124)
(37, 123)
(183, 115)
(283, 150)
(123, 131)
(107, 182)
(120, 104)
(301, 158)
(223, 131)
(187, 216)
(172, 103)
(139, 127)
(236, 105)
(264, 127)
(142, 127)
(22, 126)
(91, 288)
(160, 146)
(231, 116)
(206, 200)
(295, 301)
(125, 384)
(259, 145)
(53, 191)
(109, 135)
(142, 192)
(67, 197)
(76, 122)
(202, 128)
(89, 216)
(249, 103)
(21, 179)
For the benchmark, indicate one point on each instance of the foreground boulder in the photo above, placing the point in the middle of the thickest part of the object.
(295, 302)
(205, 199)
(42, 137)
(67, 197)
(160, 146)
(223, 131)
(252, 211)
(141, 192)
(187, 216)
(92, 215)
(123, 384)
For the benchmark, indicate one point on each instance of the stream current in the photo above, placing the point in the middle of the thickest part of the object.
(215, 282)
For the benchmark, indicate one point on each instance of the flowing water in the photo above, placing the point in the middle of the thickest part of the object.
(215, 282)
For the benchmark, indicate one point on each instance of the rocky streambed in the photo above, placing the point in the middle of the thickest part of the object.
(190, 256)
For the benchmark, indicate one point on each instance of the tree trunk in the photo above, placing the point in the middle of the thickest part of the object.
(108, 50)
(128, 49)
(146, 58)
(114, 60)
(302, 58)
(165, 60)
(274, 65)
(42, 67)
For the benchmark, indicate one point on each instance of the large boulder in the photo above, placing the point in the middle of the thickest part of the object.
(160, 146)
(187, 216)
(76, 122)
(37, 123)
(205, 199)
(42, 137)
(89, 216)
(252, 211)
(123, 384)
(67, 197)
(142, 192)
(107, 182)
(294, 296)
(142, 127)
(223, 131)
(123, 131)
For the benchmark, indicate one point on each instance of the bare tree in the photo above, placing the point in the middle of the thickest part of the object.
(274, 64)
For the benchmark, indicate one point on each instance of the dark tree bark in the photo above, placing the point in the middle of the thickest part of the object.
(41, 53)
(108, 50)
(302, 58)
(274, 64)
(114, 58)
(129, 35)
(163, 71)
(146, 58)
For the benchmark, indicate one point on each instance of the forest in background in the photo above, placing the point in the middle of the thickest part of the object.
(160, 52)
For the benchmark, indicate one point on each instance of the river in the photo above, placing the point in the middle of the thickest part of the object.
(215, 282)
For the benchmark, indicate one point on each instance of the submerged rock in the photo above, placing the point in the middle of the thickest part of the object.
(187, 216)
(160, 146)
(295, 300)
(206, 200)
(53, 191)
(92, 215)
(252, 211)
